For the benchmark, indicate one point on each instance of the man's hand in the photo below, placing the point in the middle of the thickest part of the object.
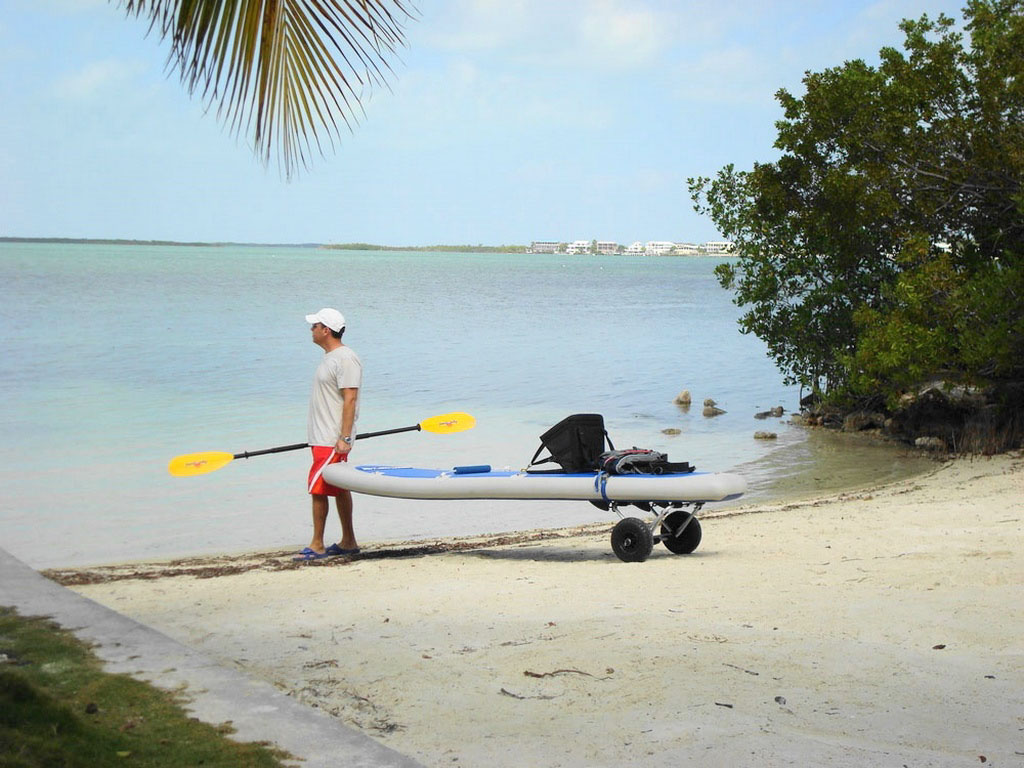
(342, 448)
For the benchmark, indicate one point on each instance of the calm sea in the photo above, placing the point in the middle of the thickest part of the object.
(117, 358)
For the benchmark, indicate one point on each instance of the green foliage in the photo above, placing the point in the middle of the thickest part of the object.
(59, 709)
(885, 244)
(967, 326)
(292, 73)
(900, 346)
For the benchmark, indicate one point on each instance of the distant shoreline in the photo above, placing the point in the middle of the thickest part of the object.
(443, 248)
(124, 241)
(327, 246)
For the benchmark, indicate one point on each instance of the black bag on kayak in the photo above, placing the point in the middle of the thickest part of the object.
(640, 461)
(575, 444)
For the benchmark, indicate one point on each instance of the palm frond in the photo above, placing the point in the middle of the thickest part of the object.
(289, 72)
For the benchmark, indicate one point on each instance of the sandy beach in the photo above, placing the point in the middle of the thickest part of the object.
(881, 627)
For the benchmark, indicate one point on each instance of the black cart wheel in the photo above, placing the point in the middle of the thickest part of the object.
(684, 541)
(632, 541)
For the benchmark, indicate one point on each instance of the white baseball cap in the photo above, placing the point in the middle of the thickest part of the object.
(332, 318)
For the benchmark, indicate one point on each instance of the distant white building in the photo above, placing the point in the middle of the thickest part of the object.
(637, 248)
(658, 247)
(543, 246)
(718, 246)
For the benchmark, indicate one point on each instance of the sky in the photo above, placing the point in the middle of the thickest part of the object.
(506, 121)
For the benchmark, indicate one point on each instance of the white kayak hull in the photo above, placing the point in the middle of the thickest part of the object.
(421, 483)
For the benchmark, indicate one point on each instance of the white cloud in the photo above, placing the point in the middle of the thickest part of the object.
(93, 78)
(625, 33)
(478, 25)
(568, 33)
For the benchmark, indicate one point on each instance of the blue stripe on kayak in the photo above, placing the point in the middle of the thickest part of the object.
(422, 472)
(391, 471)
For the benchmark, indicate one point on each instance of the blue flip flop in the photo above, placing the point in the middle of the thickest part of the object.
(310, 554)
(334, 551)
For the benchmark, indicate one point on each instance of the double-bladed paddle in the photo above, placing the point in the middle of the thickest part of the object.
(200, 463)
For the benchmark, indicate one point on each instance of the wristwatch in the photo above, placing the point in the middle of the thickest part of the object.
(347, 440)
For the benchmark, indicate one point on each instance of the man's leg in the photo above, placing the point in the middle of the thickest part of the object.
(319, 521)
(348, 535)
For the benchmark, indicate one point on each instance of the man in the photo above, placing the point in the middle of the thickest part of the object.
(333, 410)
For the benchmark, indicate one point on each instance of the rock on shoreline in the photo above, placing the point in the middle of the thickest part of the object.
(938, 417)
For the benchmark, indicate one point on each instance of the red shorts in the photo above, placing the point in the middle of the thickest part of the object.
(322, 456)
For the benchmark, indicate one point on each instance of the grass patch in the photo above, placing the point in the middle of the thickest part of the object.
(59, 708)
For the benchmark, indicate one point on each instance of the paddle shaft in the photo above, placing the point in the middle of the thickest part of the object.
(300, 446)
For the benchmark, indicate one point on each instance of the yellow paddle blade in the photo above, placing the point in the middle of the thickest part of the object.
(198, 463)
(448, 422)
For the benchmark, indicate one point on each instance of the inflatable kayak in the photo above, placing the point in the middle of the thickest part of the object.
(673, 498)
(481, 482)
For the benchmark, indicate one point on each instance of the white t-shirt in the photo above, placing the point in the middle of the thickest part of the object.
(340, 369)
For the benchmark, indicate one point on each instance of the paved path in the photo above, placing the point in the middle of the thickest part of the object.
(215, 694)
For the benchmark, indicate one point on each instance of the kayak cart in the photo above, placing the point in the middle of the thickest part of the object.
(672, 493)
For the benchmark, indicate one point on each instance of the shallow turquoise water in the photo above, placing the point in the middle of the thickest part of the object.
(116, 358)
